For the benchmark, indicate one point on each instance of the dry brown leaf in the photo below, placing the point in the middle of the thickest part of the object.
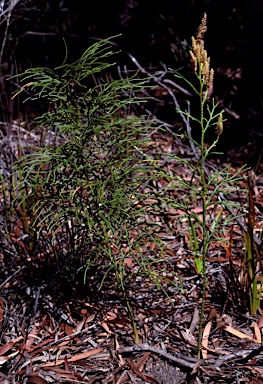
(194, 322)
(239, 334)
(5, 348)
(141, 361)
(188, 337)
(107, 329)
(63, 372)
(31, 338)
(66, 364)
(78, 329)
(205, 339)
(257, 333)
(135, 368)
(260, 321)
(117, 346)
(79, 356)
(4, 359)
(68, 329)
(35, 379)
(128, 261)
(90, 318)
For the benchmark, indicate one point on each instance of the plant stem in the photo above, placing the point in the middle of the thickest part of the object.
(203, 197)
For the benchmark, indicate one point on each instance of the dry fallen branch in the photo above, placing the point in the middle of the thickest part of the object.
(185, 361)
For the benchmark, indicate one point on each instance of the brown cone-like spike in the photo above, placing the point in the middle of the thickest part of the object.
(219, 127)
(202, 28)
(198, 55)
(193, 61)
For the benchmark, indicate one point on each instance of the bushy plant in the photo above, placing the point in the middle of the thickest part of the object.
(83, 190)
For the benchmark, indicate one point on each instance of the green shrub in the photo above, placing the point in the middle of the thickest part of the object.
(84, 191)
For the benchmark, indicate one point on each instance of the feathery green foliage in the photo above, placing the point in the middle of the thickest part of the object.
(84, 189)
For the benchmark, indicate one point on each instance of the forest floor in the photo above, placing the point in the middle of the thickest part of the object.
(56, 329)
(68, 332)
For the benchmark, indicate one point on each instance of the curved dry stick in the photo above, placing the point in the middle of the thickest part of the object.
(185, 361)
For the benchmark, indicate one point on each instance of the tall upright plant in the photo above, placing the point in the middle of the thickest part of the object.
(221, 181)
(206, 188)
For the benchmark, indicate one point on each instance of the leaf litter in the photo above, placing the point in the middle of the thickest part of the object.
(69, 333)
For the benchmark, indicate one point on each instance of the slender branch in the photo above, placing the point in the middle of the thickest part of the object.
(157, 81)
(168, 81)
(8, 10)
(189, 134)
(182, 360)
(5, 36)
(5, 15)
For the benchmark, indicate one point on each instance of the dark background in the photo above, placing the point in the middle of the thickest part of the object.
(153, 32)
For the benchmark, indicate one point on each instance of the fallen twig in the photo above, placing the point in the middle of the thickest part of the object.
(185, 361)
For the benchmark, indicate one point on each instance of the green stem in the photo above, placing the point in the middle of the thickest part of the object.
(204, 228)
(129, 309)
(136, 335)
